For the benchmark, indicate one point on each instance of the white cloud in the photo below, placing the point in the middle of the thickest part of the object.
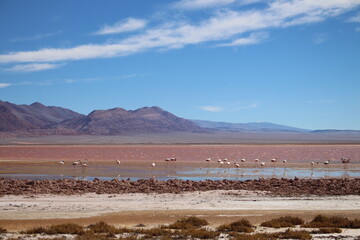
(245, 106)
(212, 109)
(254, 38)
(4, 85)
(355, 18)
(198, 4)
(36, 37)
(128, 25)
(222, 26)
(34, 67)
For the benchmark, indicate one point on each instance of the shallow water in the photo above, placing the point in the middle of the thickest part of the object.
(179, 172)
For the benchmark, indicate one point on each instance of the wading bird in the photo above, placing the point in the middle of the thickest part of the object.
(153, 164)
(118, 161)
(61, 162)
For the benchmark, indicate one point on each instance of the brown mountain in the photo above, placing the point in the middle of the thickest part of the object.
(29, 117)
(119, 121)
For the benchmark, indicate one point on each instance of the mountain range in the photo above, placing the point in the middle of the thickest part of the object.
(40, 120)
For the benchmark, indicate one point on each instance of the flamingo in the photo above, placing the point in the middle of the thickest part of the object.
(243, 160)
(208, 159)
(118, 161)
(237, 165)
(327, 162)
(256, 160)
(76, 163)
(219, 160)
(84, 165)
(345, 160)
(153, 164)
(274, 160)
(225, 159)
(61, 162)
(167, 159)
(173, 159)
(262, 164)
(312, 163)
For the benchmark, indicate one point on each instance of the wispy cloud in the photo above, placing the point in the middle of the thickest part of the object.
(4, 85)
(355, 18)
(36, 37)
(34, 67)
(319, 38)
(227, 25)
(212, 108)
(127, 25)
(197, 4)
(51, 82)
(241, 106)
(233, 107)
(254, 38)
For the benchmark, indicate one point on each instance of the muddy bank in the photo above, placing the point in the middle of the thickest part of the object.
(274, 187)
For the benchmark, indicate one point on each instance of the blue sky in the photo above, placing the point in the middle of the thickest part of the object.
(293, 62)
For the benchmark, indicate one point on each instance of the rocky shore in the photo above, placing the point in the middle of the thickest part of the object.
(274, 187)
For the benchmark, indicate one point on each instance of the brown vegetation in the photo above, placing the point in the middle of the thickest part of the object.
(321, 221)
(242, 225)
(287, 221)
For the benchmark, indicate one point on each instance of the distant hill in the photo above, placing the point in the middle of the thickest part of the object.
(144, 125)
(35, 116)
(253, 126)
(119, 121)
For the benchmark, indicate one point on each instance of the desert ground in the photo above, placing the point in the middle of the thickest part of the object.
(39, 162)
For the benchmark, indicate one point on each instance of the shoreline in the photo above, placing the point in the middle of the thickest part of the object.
(271, 186)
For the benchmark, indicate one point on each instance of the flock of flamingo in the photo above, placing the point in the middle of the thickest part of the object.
(220, 161)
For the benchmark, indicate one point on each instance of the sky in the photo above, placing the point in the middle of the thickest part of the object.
(291, 62)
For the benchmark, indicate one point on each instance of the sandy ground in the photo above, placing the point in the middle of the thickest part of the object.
(20, 212)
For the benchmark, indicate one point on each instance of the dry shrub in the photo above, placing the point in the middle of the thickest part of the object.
(200, 233)
(287, 221)
(153, 232)
(242, 225)
(102, 227)
(3, 230)
(290, 234)
(187, 223)
(90, 235)
(327, 230)
(68, 228)
(34, 230)
(321, 221)
(256, 236)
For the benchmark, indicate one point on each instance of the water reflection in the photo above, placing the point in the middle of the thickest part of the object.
(188, 173)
